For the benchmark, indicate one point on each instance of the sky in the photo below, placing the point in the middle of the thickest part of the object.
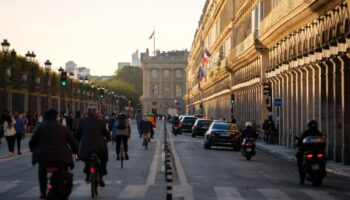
(97, 34)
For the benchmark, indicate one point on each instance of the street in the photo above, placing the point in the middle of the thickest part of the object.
(217, 173)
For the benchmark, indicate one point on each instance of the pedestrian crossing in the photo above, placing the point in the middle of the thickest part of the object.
(116, 189)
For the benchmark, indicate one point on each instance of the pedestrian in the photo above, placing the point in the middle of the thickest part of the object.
(76, 123)
(139, 117)
(121, 133)
(10, 133)
(19, 127)
(2, 126)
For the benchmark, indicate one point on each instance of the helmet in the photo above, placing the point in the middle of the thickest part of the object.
(312, 124)
(248, 124)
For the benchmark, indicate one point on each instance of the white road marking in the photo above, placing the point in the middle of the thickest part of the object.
(32, 193)
(151, 179)
(227, 193)
(183, 191)
(133, 192)
(273, 194)
(319, 195)
(5, 186)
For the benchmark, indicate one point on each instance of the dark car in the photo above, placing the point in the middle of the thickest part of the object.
(200, 127)
(222, 134)
(186, 123)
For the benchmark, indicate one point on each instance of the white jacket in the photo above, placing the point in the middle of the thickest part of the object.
(9, 131)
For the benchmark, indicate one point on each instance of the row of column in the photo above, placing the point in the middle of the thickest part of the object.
(319, 91)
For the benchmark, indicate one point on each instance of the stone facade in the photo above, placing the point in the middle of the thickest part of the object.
(301, 48)
(164, 82)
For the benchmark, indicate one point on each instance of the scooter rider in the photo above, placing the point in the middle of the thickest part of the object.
(248, 132)
(311, 131)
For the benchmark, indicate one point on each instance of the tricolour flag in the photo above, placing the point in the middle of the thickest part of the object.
(150, 37)
(201, 73)
(205, 56)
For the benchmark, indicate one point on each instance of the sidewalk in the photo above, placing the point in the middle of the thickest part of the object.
(4, 152)
(289, 154)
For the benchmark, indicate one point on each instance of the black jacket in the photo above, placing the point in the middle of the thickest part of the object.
(248, 132)
(93, 136)
(52, 142)
(307, 133)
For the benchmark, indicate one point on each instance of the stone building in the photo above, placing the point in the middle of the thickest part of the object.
(164, 82)
(301, 48)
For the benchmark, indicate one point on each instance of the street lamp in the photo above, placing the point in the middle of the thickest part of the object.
(47, 68)
(71, 74)
(5, 48)
(30, 56)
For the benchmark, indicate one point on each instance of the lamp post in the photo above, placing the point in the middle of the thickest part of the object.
(71, 75)
(30, 56)
(63, 84)
(92, 93)
(5, 48)
(47, 69)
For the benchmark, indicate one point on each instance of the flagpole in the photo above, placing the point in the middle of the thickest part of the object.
(154, 42)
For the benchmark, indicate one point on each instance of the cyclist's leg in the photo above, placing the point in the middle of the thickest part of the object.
(42, 180)
(87, 170)
(125, 144)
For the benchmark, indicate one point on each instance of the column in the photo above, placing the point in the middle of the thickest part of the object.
(338, 109)
(160, 83)
(330, 107)
(346, 104)
(172, 84)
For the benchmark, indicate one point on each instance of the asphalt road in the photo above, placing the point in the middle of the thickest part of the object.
(218, 173)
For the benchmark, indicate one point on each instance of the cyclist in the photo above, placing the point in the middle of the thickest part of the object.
(153, 121)
(52, 145)
(93, 136)
(139, 117)
(121, 133)
(145, 125)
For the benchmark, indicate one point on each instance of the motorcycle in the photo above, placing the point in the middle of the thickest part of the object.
(176, 129)
(314, 159)
(248, 148)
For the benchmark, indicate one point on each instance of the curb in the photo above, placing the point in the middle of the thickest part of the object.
(24, 153)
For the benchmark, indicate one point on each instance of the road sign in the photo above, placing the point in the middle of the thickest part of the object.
(278, 102)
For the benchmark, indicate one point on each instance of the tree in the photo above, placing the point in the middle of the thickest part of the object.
(131, 75)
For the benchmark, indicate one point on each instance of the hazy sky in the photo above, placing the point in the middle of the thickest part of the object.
(97, 33)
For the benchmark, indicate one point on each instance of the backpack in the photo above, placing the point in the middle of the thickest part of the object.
(62, 183)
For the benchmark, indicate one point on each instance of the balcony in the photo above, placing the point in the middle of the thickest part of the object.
(245, 44)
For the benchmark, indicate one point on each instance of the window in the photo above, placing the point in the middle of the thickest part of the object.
(166, 90)
(177, 90)
(154, 89)
(178, 73)
(154, 73)
(166, 73)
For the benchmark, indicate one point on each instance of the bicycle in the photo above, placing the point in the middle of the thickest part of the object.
(94, 174)
(146, 138)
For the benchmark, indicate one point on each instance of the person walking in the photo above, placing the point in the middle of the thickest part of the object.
(93, 136)
(139, 117)
(10, 133)
(52, 145)
(19, 127)
(121, 133)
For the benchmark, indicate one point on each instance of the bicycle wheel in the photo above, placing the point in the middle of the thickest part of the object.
(145, 141)
(97, 175)
(93, 183)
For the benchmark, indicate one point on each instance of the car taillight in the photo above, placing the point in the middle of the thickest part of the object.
(309, 156)
(249, 144)
(320, 155)
(49, 186)
(92, 169)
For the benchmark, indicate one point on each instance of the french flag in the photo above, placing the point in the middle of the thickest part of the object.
(205, 56)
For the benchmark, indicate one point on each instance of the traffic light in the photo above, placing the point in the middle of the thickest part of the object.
(102, 94)
(267, 89)
(232, 99)
(63, 79)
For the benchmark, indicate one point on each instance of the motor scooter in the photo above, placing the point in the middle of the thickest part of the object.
(248, 148)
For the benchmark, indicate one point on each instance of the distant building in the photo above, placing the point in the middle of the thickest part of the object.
(164, 82)
(121, 65)
(71, 67)
(83, 72)
(135, 59)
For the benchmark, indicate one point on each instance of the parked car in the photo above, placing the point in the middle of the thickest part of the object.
(186, 123)
(200, 127)
(222, 134)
